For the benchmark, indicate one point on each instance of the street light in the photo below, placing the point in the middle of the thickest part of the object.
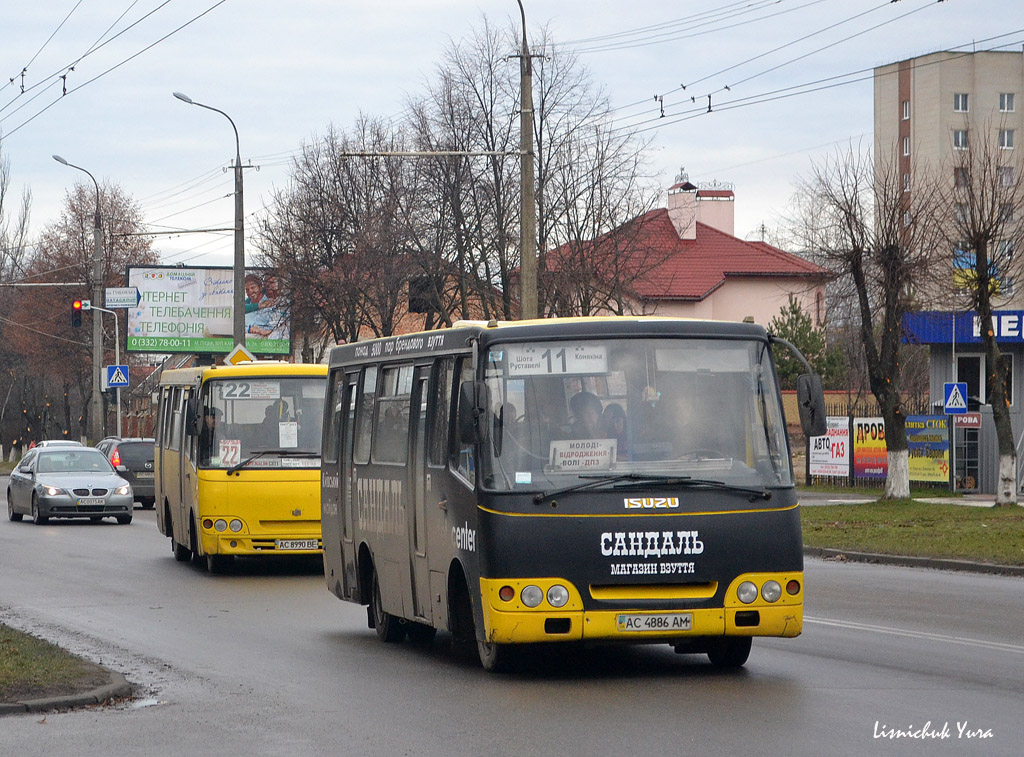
(96, 409)
(238, 300)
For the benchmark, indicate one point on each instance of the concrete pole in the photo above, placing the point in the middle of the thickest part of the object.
(528, 217)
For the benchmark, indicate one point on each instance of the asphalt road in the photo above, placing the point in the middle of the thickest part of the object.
(264, 661)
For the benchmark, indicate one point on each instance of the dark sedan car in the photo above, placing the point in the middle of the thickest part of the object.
(67, 482)
(133, 461)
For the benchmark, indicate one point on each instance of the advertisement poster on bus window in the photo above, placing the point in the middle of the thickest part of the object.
(928, 443)
(830, 454)
(870, 454)
(190, 310)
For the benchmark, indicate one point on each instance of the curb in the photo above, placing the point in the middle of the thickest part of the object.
(116, 687)
(914, 562)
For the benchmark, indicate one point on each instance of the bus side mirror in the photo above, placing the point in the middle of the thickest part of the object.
(473, 404)
(811, 400)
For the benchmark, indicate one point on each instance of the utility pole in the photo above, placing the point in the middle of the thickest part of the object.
(528, 218)
(96, 419)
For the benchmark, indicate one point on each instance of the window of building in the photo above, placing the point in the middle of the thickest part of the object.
(906, 145)
(1006, 139)
(960, 102)
(960, 177)
(960, 139)
(960, 212)
(1005, 176)
(1006, 102)
(906, 110)
(906, 182)
(1006, 212)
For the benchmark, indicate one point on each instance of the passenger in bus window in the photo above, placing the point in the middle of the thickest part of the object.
(613, 421)
(585, 408)
(208, 433)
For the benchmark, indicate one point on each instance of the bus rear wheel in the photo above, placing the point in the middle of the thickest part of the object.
(729, 652)
(389, 628)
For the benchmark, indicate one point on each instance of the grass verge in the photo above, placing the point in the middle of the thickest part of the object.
(31, 668)
(919, 529)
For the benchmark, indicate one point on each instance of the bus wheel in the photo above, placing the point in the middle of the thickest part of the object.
(729, 652)
(181, 552)
(217, 563)
(388, 627)
(495, 658)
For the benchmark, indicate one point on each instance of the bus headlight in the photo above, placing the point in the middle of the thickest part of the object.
(235, 525)
(558, 595)
(746, 592)
(771, 591)
(532, 596)
(220, 524)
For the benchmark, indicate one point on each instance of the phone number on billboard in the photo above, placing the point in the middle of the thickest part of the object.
(141, 341)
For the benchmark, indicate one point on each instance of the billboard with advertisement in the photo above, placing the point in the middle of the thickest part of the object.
(928, 444)
(190, 310)
(830, 454)
(870, 454)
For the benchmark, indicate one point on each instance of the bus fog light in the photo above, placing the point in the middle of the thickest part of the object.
(506, 593)
(771, 591)
(220, 524)
(235, 525)
(532, 596)
(558, 595)
(746, 592)
(793, 586)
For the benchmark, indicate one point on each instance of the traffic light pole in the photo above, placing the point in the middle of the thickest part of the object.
(96, 413)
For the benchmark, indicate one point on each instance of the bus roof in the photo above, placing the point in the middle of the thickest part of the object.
(247, 369)
(454, 339)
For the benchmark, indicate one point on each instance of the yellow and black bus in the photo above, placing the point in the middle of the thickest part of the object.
(237, 460)
(566, 480)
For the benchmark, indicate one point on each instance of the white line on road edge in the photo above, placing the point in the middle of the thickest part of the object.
(1018, 649)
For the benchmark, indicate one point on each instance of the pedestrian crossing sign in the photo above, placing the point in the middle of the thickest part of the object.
(117, 375)
(954, 397)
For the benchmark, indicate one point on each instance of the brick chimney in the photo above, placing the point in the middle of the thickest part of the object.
(682, 207)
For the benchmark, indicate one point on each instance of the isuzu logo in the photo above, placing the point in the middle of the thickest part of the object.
(651, 503)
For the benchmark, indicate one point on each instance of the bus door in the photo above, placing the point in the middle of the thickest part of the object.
(421, 488)
(189, 471)
(346, 482)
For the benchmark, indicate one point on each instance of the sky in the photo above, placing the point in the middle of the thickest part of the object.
(92, 80)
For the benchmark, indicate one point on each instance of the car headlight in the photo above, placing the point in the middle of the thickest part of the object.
(52, 491)
(126, 489)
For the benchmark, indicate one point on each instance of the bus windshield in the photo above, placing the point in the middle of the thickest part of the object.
(275, 421)
(703, 408)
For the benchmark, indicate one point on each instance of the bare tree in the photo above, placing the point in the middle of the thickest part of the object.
(980, 217)
(868, 230)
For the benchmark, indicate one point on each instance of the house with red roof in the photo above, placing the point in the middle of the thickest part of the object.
(695, 267)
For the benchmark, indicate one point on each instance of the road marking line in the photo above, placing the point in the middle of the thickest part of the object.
(1016, 648)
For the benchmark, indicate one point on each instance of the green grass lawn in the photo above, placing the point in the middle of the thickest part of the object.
(31, 668)
(917, 529)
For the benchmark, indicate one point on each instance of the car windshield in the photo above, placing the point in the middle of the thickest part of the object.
(278, 419)
(73, 461)
(708, 409)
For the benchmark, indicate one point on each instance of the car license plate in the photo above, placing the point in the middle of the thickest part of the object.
(91, 501)
(296, 544)
(144, 475)
(675, 621)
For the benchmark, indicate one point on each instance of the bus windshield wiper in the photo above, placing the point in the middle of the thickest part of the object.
(707, 483)
(260, 453)
(597, 480)
(633, 479)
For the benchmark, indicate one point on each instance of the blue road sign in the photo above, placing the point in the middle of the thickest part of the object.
(954, 397)
(117, 375)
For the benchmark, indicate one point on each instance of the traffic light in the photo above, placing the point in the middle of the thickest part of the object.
(76, 314)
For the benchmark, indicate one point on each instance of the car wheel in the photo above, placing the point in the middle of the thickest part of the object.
(39, 520)
(10, 508)
(389, 628)
(729, 652)
(124, 520)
